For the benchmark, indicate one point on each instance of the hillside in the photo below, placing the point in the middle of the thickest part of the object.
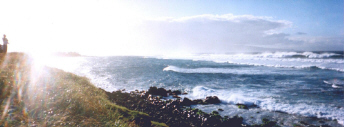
(42, 96)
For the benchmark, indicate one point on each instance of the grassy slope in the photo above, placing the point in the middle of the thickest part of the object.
(46, 97)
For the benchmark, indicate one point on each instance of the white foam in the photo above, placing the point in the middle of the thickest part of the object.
(219, 70)
(278, 59)
(229, 97)
(264, 101)
(334, 81)
(319, 111)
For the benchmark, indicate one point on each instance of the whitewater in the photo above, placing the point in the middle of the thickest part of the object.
(286, 86)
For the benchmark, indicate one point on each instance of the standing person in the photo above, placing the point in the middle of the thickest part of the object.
(5, 42)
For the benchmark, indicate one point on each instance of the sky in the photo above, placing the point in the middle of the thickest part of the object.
(152, 27)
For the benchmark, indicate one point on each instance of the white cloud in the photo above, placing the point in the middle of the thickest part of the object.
(214, 33)
(227, 33)
(113, 29)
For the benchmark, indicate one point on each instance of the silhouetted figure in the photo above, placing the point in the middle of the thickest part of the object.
(5, 42)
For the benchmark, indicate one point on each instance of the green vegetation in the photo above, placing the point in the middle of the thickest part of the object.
(157, 124)
(42, 96)
(242, 106)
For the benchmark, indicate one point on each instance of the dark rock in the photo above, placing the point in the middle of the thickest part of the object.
(215, 113)
(198, 101)
(184, 93)
(265, 120)
(176, 92)
(235, 121)
(281, 112)
(175, 96)
(212, 100)
(242, 106)
(157, 91)
(171, 112)
(152, 90)
(304, 123)
(268, 123)
(187, 102)
(220, 109)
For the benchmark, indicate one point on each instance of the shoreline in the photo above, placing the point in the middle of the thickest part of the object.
(55, 97)
(167, 109)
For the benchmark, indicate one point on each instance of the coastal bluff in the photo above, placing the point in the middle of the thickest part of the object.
(43, 96)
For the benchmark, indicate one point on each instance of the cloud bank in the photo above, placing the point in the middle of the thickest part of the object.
(227, 33)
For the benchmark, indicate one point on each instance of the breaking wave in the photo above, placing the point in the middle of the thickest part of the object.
(304, 60)
(259, 99)
(219, 70)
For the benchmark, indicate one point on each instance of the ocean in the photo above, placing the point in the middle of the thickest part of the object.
(286, 86)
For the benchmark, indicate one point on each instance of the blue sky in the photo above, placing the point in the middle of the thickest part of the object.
(152, 27)
(316, 17)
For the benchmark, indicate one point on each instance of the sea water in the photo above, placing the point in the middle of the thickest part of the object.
(295, 84)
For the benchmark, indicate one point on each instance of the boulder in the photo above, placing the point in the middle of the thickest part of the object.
(157, 91)
(198, 101)
(175, 96)
(176, 92)
(242, 106)
(212, 100)
(187, 102)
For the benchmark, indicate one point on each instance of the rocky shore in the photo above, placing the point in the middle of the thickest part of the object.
(177, 111)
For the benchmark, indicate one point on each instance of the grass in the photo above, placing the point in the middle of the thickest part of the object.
(42, 96)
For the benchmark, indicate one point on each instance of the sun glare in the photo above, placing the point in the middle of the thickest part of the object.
(90, 29)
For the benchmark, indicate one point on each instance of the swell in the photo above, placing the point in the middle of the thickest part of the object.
(247, 71)
(300, 60)
(241, 97)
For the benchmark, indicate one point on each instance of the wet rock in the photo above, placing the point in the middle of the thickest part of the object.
(185, 93)
(268, 123)
(303, 123)
(175, 96)
(281, 112)
(176, 92)
(215, 113)
(235, 121)
(198, 101)
(171, 112)
(187, 102)
(157, 91)
(242, 106)
(212, 100)
(220, 109)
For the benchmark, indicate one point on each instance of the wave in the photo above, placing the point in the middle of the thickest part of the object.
(267, 103)
(335, 83)
(309, 60)
(311, 55)
(324, 66)
(251, 71)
